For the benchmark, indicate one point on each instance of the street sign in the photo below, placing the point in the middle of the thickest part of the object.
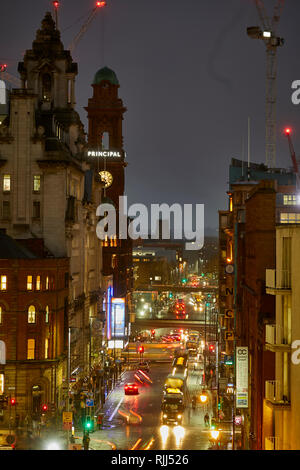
(67, 420)
(242, 377)
(89, 402)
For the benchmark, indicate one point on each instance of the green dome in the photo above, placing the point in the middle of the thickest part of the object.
(105, 74)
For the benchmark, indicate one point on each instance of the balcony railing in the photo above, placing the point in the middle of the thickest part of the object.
(278, 279)
(272, 443)
(274, 393)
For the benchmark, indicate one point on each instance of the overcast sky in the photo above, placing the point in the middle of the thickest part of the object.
(189, 77)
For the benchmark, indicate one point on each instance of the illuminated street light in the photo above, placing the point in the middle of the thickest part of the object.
(203, 397)
(214, 434)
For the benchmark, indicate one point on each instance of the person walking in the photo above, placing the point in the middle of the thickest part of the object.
(206, 420)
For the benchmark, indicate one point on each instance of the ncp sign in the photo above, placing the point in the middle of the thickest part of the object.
(2, 353)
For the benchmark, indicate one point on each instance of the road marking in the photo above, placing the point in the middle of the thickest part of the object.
(116, 409)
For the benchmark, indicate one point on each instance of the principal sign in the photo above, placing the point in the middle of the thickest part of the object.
(104, 153)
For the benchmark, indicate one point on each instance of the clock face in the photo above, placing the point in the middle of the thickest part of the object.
(106, 178)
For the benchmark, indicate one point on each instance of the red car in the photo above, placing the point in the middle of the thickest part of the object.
(131, 389)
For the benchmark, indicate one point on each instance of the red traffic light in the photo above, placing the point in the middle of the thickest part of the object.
(44, 407)
(141, 349)
(211, 347)
(12, 401)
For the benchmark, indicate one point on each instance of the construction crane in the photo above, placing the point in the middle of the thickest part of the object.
(7, 77)
(99, 4)
(268, 34)
(287, 132)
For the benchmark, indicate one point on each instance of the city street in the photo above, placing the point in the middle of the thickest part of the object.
(147, 433)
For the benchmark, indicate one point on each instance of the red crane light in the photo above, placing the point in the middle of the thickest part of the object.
(101, 4)
(287, 130)
(56, 4)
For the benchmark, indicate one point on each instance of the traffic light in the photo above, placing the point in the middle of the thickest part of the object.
(44, 408)
(12, 401)
(88, 423)
(141, 349)
(211, 348)
(170, 295)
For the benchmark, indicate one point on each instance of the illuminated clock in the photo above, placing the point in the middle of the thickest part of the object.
(106, 178)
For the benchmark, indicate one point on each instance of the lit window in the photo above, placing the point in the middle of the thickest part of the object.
(47, 315)
(36, 183)
(0, 315)
(46, 348)
(38, 283)
(289, 218)
(47, 283)
(6, 183)
(3, 282)
(1, 384)
(289, 200)
(30, 348)
(29, 282)
(31, 314)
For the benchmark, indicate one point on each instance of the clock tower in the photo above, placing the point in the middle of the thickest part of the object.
(105, 151)
(105, 138)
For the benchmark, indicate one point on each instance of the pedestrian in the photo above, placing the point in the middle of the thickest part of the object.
(99, 421)
(206, 420)
(86, 442)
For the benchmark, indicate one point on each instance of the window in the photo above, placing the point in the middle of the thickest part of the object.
(6, 210)
(47, 283)
(3, 282)
(46, 83)
(29, 282)
(1, 319)
(289, 199)
(38, 283)
(6, 183)
(289, 218)
(36, 209)
(1, 384)
(31, 314)
(46, 348)
(36, 183)
(30, 348)
(47, 315)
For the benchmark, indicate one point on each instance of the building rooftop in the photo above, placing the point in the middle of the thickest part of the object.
(10, 249)
(105, 74)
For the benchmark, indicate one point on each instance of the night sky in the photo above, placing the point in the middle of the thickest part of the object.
(189, 77)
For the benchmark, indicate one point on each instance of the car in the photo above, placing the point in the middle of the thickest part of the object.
(144, 366)
(131, 389)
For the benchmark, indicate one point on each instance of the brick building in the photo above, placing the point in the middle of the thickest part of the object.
(33, 326)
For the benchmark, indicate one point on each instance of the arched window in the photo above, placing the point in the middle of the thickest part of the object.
(31, 314)
(47, 315)
(46, 87)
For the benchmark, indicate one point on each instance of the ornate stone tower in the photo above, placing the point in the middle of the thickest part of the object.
(105, 114)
